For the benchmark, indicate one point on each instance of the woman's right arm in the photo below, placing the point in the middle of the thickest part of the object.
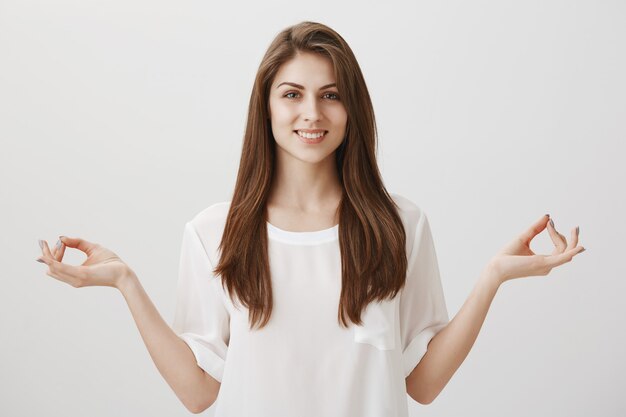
(196, 389)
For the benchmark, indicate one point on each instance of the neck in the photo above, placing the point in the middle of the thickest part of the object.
(306, 187)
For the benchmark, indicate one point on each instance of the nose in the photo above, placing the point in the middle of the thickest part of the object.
(311, 109)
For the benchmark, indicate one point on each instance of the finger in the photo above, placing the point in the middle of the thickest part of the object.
(560, 248)
(535, 229)
(78, 243)
(73, 281)
(55, 250)
(557, 238)
(561, 258)
(59, 250)
(574, 240)
(64, 272)
(45, 249)
(40, 241)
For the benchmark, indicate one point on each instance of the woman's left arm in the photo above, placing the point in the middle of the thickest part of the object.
(450, 346)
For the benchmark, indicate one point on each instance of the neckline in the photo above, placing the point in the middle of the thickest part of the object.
(303, 238)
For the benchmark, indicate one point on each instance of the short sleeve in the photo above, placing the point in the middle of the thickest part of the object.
(423, 311)
(201, 319)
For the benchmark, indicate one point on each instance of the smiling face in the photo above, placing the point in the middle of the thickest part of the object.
(303, 96)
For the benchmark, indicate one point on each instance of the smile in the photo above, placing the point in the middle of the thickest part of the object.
(310, 135)
(310, 138)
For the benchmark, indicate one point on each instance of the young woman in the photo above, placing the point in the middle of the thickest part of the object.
(313, 291)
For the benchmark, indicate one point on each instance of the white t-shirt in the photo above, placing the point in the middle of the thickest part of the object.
(303, 364)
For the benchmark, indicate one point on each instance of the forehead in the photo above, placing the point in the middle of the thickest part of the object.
(307, 69)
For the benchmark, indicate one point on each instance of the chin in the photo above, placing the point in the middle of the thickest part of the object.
(311, 156)
(310, 153)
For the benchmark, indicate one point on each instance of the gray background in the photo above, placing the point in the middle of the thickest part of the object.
(121, 120)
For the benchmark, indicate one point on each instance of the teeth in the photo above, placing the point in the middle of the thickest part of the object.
(310, 135)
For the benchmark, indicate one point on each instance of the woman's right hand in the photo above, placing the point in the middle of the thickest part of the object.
(101, 268)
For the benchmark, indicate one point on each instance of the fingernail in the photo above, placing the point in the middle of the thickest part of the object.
(548, 215)
(551, 223)
(41, 243)
(40, 260)
(58, 245)
(577, 230)
(582, 250)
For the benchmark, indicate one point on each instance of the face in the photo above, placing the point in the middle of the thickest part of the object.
(303, 97)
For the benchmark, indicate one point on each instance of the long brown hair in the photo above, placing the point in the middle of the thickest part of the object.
(371, 234)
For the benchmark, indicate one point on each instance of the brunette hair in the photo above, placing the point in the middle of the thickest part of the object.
(372, 238)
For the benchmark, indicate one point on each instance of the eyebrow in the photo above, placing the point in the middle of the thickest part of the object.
(302, 87)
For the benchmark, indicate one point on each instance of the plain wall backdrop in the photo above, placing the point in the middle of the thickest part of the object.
(119, 121)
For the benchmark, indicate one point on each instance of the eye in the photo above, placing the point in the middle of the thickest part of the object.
(334, 95)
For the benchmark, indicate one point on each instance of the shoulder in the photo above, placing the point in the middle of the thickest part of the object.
(213, 215)
(410, 212)
(209, 225)
(414, 220)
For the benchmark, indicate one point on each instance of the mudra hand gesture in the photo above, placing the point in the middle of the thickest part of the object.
(101, 268)
(517, 260)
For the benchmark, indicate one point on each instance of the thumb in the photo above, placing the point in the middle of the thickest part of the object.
(78, 243)
(536, 228)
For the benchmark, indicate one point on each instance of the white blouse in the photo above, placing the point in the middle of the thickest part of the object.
(303, 364)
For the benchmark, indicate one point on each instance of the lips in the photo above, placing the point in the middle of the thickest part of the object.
(312, 131)
(310, 141)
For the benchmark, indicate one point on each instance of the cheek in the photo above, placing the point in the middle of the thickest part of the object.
(338, 115)
(280, 110)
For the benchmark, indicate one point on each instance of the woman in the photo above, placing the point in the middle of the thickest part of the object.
(313, 292)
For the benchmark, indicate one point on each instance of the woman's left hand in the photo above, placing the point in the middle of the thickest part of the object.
(517, 260)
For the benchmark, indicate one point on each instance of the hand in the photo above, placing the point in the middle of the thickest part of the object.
(101, 268)
(517, 260)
